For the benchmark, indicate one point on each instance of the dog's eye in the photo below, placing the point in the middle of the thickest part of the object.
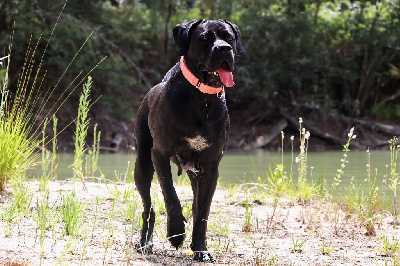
(205, 38)
(230, 38)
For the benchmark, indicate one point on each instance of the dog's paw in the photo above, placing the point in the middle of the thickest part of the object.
(176, 231)
(203, 256)
(200, 252)
(176, 236)
(144, 248)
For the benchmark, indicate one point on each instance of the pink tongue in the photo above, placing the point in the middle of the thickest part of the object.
(226, 77)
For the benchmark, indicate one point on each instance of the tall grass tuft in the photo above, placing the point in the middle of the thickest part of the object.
(82, 124)
(18, 112)
(17, 144)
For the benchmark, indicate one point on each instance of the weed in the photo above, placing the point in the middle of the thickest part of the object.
(221, 225)
(114, 190)
(84, 239)
(187, 210)
(69, 248)
(337, 179)
(92, 157)
(21, 196)
(41, 220)
(128, 192)
(353, 198)
(82, 124)
(183, 180)
(46, 161)
(19, 204)
(131, 212)
(336, 224)
(277, 182)
(95, 214)
(390, 248)
(301, 159)
(326, 250)
(247, 216)
(54, 156)
(260, 250)
(297, 244)
(368, 210)
(220, 245)
(9, 216)
(394, 151)
(71, 214)
(109, 239)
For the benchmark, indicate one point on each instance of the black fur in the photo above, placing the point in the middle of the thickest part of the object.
(176, 122)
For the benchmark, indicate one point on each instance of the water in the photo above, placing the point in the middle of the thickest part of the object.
(238, 167)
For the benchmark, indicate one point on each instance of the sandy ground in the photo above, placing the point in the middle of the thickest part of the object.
(293, 234)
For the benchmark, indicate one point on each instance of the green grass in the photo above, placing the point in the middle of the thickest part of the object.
(390, 248)
(46, 160)
(20, 200)
(82, 125)
(17, 144)
(298, 244)
(20, 110)
(42, 221)
(72, 214)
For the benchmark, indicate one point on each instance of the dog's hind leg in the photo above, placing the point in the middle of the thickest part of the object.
(143, 176)
(175, 219)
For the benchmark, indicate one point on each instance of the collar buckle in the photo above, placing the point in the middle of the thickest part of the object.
(198, 84)
(221, 94)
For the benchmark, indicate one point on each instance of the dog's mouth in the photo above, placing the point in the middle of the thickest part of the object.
(225, 74)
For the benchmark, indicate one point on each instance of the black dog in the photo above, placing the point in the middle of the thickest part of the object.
(184, 119)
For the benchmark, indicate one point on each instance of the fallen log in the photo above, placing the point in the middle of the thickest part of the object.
(330, 138)
(384, 128)
(263, 140)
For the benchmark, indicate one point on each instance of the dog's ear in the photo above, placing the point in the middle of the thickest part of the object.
(182, 35)
(239, 46)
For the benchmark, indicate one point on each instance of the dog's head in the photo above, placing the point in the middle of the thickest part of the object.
(209, 48)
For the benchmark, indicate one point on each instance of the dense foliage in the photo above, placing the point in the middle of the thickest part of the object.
(326, 54)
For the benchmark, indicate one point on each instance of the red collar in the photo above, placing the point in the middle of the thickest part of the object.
(196, 82)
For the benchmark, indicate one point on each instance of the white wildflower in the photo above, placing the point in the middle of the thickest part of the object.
(307, 136)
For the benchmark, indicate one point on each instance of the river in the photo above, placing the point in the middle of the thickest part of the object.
(239, 167)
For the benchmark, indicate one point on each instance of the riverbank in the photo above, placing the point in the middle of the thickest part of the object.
(243, 229)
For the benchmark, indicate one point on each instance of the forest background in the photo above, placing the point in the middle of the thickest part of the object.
(334, 63)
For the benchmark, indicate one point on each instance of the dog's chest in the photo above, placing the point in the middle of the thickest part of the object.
(197, 143)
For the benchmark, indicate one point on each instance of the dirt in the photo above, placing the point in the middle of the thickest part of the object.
(293, 233)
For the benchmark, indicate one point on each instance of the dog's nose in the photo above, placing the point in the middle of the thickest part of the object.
(224, 47)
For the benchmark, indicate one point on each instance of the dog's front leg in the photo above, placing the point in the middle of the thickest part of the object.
(175, 219)
(203, 186)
